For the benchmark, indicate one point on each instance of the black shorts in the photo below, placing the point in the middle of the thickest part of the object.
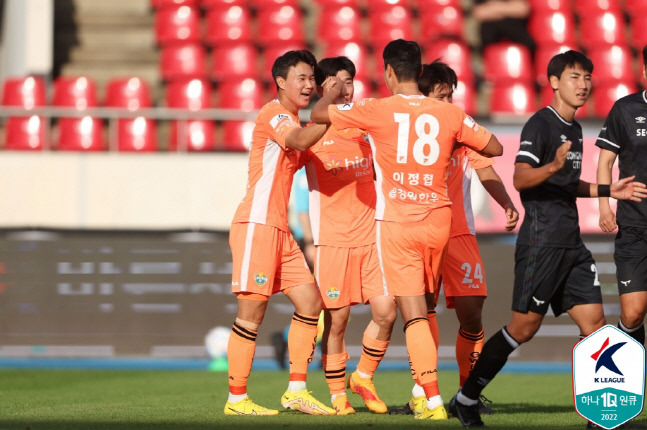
(559, 277)
(630, 257)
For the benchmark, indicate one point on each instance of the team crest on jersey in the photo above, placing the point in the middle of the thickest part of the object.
(333, 166)
(260, 278)
(332, 293)
(346, 106)
(640, 120)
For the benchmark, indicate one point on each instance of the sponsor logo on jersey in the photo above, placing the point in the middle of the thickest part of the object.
(526, 143)
(640, 119)
(260, 278)
(328, 142)
(333, 166)
(345, 106)
(332, 293)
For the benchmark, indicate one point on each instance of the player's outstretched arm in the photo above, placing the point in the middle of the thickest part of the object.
(605, 165)
(624, 189)
(332, 89)
(493, 184)
(304, 138)
(527, 176)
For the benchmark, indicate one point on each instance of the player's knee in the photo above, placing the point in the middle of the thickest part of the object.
(471, 323)
(632, 318)
(385, 319)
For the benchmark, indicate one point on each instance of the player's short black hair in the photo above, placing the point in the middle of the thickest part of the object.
(283, 63)
(560, 62)
(645, 55)
(331, 66)
(405, 58)
(436, 73)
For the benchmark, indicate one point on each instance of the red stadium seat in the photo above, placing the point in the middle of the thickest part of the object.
(635, 7)
(183, 61)
(177, 24)
(606, 94)
(279, 25)
(362, 89)
(596, 7)
(512, 99)
(465, 97)
(355, 53)
(550, 5)
(208, 4)
(79, 133)
(506, 62)
(190, 135)
(272, 4)
(638, 31)
(441, 22)
(336, 3)
(271, 53)
(244, 94)
(228, 24)
(542, 56)
(612, 63)
(24, 133)
(385, 5)
(234, 60)
(339, 24)
(159, 4)
(453, 52)
(602, 28)
(133, 134)
(387, 24)
(552, 27)
(237, 135)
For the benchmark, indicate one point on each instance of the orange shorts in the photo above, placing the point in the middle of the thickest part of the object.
(462, 273)
(266, 260)
(347, 276)
(411, 253)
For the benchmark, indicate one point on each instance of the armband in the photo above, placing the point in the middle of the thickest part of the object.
(604, 190)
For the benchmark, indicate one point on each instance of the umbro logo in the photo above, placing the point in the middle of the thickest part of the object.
(626, 283)
(563, 138)
(539, 302)
(640, 120)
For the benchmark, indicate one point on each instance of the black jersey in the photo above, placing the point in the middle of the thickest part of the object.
(551, 217)
(625, 133)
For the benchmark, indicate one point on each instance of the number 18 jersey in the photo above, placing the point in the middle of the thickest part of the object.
(412, 138)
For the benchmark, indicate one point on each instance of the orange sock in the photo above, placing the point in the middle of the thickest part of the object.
(335, 369)
(240, 354)
(373, 351)
(433, 326)
(423, 354)
(302, 340)
(468, 349)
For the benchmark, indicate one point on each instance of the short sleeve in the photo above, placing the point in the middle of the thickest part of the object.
(280, 124)
(478, 161)
(352, 115)
(610, 136)
(471, 134)
(532, 145)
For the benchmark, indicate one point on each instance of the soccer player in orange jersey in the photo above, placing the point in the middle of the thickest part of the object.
(463, 277)
(266, 258)
(411, 137)
(342, 215)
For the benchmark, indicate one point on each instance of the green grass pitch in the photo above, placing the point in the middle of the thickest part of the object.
(194, 400)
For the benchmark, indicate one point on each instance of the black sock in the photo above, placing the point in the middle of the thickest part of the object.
(492, 359)
(637, 333)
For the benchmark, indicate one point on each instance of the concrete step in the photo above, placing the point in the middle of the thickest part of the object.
(98, 7)
(84, 55)
(103, 38)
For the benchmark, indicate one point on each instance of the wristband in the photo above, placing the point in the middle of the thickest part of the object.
(604, 190)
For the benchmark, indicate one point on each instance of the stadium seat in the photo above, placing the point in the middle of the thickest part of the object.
(244, 94)
(337, 3)
(385, 5)
(453, 52)
(355, 53)
(133, 134)
(183, 61)
(78, 133)
(271, 53)
(635, 7)
(177, 24)
(190, 135)
(272, 4)
(362, 89)
(506, 62)
(228, 24)
(465, 97)
(606, 94)
(552, 27)
(388, 23)
(638, 30)
(279, 25)
(237, 135)
(208, 4)
(550, 5)
(24, 133)
(602, 28)
(234, 60)
(542, 56)
(441, 22)
(612, 63)
(159, 4)
(512, 99)
(339, 24)
(596, 7)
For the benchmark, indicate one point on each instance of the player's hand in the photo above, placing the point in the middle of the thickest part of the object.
(560, 156)
(333, 87)
(511, 217)
(626, 189)
(607, 220)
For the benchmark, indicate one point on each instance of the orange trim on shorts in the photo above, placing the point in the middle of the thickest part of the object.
(246, 295)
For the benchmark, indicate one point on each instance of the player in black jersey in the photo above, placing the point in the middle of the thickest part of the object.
(624, 135)
(552, 265)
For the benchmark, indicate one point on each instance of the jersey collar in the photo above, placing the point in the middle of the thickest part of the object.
(559, 116)
(645, 96)
(412, 96)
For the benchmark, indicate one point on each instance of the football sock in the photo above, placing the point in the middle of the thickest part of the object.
(637, 333)
(492, 359)
(302, 339)
(422, 354)
(373, 351)
(240, 354)
(433, 326)
(468, 349)
(335, 369)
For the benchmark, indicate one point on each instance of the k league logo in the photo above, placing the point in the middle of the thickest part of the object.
(608, 377)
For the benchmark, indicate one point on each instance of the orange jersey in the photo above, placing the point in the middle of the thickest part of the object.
(459, 183)
(412, 138)
(342, 192)
(271, 168)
